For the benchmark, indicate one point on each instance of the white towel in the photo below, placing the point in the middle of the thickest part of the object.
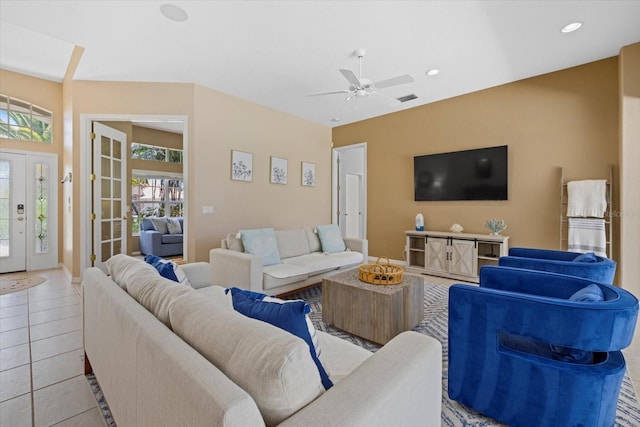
(587, 198)
(587, 235)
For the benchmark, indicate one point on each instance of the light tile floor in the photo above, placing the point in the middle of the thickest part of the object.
(41, 357)
(42, 380)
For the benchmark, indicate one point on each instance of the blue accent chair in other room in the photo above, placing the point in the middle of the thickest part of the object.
(589, 266)
(526, 351)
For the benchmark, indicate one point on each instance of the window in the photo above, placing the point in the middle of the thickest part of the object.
(41, 208)
(23, 120)
(155, 153)
(155, 196)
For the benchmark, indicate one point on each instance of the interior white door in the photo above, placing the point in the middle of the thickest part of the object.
(349, 165)
(109, 236)
(13, 213)
(352, 205)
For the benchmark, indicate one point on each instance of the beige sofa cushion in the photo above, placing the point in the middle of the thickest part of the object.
(273, 366)
(313, 240)
(234, 242)
(292, 242)
(145, 285)
(122, 270)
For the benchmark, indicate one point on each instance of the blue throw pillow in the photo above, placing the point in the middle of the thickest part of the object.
(588, 257)
(261, 242)
(331, 238)
(290, 316)
(590, 293)
(168, 269)
(266, 298)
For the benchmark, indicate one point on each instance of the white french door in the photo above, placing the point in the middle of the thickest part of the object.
(13, 224)
(109, 216)
(28, 211)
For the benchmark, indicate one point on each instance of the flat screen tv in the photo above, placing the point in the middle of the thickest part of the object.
(479, 174)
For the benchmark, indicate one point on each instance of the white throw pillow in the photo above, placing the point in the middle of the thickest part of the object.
(174, 226)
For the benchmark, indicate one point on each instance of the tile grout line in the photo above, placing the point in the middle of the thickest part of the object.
(31, 393)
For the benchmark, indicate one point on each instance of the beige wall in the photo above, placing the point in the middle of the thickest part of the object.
(48, 95)
(216, 124)
(567, 118)
(629, 268)
(224, 123)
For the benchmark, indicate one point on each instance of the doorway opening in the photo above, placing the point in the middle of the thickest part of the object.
(90, 235)
(349, 190)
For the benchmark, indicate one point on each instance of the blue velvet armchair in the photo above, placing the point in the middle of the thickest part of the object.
(508, 345)
(600, 269)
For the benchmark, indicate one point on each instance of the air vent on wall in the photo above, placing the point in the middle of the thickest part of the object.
(406, 98)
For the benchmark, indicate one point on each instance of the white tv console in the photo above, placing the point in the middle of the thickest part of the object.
(453, 255)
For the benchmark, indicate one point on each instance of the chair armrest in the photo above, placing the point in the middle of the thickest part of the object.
(358, 245)
(198, 273)
(543, 254)
(602, 271)
(532, 282)
(233, 268)
(150, 240)
(400, 384)
(481, 312)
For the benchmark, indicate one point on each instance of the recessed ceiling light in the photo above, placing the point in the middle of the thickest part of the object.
(173, 12)
(569, 28)
(433, 72)
(335, 119)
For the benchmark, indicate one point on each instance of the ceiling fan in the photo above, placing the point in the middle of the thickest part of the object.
(360, 87)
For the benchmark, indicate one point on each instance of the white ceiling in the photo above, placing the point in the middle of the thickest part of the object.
(274, 53)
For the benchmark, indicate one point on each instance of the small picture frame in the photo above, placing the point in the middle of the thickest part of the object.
(308, 174)
(241, 166)
(278, 170)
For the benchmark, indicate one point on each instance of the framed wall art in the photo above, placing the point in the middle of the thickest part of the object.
(278, 170)
(241, 166)
(308, 174)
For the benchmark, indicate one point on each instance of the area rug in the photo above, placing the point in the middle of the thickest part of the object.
(14, 282)
(435, 325)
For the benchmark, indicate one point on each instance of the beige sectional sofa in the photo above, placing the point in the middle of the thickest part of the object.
(302, 262)
(167, 354)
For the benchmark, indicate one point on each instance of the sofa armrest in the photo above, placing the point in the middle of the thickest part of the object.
(233, 268)
(150, 242)
(358, 245)
(199, 274)
(400, 384)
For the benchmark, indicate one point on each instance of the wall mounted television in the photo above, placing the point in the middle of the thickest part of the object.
(480, 174)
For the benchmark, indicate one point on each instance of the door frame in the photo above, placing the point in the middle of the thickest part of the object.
(51, 259)
(335, 170)
(85, 186)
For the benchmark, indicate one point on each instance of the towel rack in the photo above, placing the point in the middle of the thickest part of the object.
(564, 221)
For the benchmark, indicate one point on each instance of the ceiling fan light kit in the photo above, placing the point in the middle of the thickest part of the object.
(360, 87)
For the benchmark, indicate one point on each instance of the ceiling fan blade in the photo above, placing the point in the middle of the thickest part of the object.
(335, 92)
(389, 99)
(407, 78)
(350, 75)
